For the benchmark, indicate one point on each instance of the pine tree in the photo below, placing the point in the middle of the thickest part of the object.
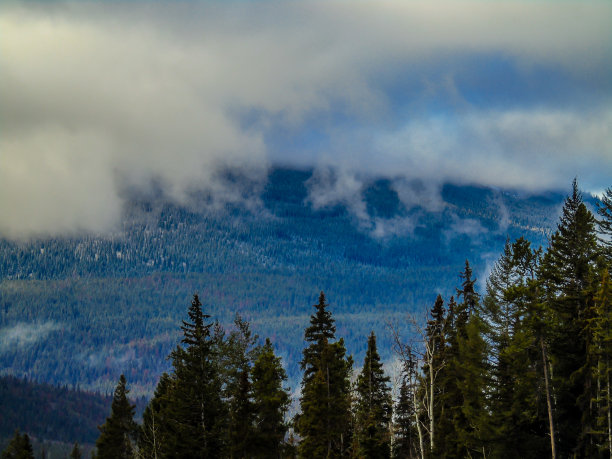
(325, 419)
(517, 421)
(155, 422)
(76, 452)
(567, 277)
(373, 410)
(19, 447)
(238, 351)
(196, 413)
(271, 402)
(604, 209)
(465, 377)
(118, 433)
(405, 438)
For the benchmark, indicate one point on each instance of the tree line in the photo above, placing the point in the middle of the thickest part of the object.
(523, 370)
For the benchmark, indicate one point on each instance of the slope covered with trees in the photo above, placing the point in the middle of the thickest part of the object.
(86, 297)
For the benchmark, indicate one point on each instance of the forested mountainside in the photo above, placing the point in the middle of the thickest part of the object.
(520, 370)
(81, 310)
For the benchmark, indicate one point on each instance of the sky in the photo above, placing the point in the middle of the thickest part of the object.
(99, 99)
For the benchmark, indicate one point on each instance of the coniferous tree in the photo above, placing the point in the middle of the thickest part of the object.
(567, 277)
(118, 433)
(155, 422)
(405, 438)
(604, 209)
(518, 427)
(238, 351)
(325, 418)
(195, 411)
(465, 377)
(76, 452)
(19, 447)
(373, 407)
(271, 402)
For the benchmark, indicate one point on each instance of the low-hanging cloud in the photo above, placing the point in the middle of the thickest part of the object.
(99, 98)
(24, 334)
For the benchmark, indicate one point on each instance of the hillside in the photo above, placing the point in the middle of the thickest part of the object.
(82, 310)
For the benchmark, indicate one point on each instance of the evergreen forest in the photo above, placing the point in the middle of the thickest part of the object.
(518, 368)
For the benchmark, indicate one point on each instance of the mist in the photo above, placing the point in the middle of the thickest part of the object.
(103, 98)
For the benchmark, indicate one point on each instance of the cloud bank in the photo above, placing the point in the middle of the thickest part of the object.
(99, 98)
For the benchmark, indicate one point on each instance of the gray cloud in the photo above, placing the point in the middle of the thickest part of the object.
(24, 334)
(100, 97)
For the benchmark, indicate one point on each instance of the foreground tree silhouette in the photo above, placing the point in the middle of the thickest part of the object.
(325, 420)
(194, 413)
(271, 402)
(19, 447)
(373, 406)
(119, 430)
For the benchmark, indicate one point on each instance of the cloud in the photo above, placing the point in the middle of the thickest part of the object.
(24, 334)
(103, 97)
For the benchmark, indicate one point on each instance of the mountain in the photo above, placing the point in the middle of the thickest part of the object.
(82, 310)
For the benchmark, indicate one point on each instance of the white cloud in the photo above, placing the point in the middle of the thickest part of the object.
(24, 334)
(101, 96)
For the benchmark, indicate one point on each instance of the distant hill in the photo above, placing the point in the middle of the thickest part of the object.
(81, 310)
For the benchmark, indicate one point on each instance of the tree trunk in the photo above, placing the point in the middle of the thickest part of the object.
(551, 424)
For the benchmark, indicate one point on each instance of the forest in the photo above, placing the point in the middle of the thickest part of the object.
(522, 370)
(75, 295)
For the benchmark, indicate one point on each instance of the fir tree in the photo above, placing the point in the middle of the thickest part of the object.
(271, 402)
(567, 276)
(405, 438)
(604, 209)
(196, 413)
(119, 431)
(155, 422)
(238, 352)
(19, 447)
(517, 422)
(76, 452)
(325, 419)
(373, 410)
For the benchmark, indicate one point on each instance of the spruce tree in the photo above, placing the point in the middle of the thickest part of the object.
(155, 421)
(465, 377)
(271, 402)
(567, 277)
(118, 433)
(518, 423)
(604, 209)
(238, 352)
(19, 447)
(76, 452)
(373, 410)
(325, 418)
(196, 413)
(405, 435)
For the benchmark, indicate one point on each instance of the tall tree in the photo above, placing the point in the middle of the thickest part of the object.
(604, 209)
(373, 410)
(518, 427)
(271, 402)
(325, 419)
(76, 452)
(567, 276)
(119, 432)
(19, 447)
(238, 352)
(405, 438)
(196, 413)
(155, 421)
(465, 376)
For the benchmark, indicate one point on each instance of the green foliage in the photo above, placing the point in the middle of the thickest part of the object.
(373, 407)
(195, 412)
(119, 432)
(325, 419)
(271, 402)
(19, 447)
(76, 452)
